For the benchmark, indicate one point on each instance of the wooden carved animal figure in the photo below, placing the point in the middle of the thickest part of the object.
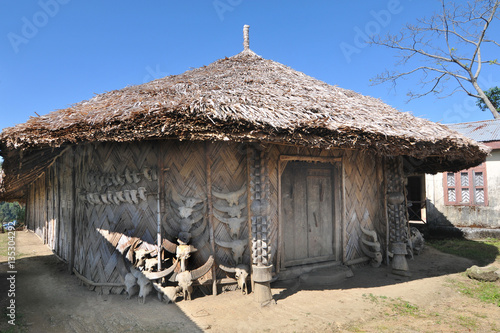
(375, 253)
(185, 279)
(233, 211)
(131, 286)
(168, 293)
(232, 198)
(237, 248)
(241, 275)
(234, 223)
(416, 241)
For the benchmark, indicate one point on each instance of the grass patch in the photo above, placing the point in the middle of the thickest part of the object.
(4, 240)
(487, 292)
(467, 322)
(402, 307)
(4, 244)
(482, 252)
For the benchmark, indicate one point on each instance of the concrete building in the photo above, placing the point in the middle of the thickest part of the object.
(471, 197)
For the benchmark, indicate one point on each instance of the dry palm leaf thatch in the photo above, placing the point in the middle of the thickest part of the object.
(247, 98)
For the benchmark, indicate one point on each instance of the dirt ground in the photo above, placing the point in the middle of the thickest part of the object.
(49, 299)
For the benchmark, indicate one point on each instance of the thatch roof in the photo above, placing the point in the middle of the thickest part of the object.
(246, 98)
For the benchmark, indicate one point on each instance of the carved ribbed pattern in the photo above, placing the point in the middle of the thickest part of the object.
(363, 197)
(398, 228)
(273, 153)
(259, 189)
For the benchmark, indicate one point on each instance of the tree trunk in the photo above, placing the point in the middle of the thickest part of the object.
(486, 101)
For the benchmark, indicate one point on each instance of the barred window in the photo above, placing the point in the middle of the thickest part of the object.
(467, 187)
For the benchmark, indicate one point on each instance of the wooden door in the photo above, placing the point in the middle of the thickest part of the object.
(308, 213)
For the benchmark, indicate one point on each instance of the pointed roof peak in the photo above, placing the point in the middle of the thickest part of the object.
(246, 38)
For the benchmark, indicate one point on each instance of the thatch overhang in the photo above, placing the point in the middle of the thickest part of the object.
(244, 98)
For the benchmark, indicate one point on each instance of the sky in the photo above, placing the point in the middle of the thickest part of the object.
(54, 53)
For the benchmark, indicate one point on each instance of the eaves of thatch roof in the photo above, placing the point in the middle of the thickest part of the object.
(245, 98)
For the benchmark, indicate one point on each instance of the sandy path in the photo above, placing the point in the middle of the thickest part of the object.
(48, 299)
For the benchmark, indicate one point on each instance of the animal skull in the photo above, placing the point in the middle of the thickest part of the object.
(232, 198)
(237, 248)
(234, 223)
(241, 275)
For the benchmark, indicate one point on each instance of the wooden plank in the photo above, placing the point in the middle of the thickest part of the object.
(321, 159)
(319, 215)
(296, 225)
(72, 215)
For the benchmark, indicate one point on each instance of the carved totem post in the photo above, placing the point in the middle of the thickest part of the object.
(396, 212)
(261, 251)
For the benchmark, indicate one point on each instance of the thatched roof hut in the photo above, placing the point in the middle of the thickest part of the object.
(243, 98)
(284, 118)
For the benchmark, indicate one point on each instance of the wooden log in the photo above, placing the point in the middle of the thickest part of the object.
(262, 292)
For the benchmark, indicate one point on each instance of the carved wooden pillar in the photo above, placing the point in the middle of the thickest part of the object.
(261, 250)
(396, 211)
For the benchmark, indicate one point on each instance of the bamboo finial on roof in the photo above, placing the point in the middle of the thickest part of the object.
(246, 39)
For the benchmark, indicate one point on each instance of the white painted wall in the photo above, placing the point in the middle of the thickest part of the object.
(465, 216)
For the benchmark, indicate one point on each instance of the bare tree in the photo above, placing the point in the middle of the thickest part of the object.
(445, 47)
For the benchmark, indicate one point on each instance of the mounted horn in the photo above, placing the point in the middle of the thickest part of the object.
(128, 176)
(136, 178)
(186, 224)
(233, 211)
(241, 274)
(234, 223)
(142, 193)
(169, 246)
(147, 173)
(181, 200)
(119, 195)
(116, 200)
(232, 198)
(199, 272)
(163, 273)
(133, 196)
(237, 248)
(126, 194)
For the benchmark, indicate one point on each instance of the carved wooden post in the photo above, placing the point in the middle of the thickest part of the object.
(396, 211)
(261, 251)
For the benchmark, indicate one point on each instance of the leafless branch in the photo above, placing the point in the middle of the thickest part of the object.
(450, 45)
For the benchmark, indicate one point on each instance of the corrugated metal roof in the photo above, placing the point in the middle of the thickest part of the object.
(482, 131)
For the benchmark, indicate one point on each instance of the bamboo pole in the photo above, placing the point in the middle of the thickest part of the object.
(210, 215)
(158, 201)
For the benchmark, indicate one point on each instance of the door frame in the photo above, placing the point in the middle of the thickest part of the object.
(338, 203)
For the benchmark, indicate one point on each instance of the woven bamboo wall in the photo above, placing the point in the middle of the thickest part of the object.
(364, 199)
(229, 174)
(100, 227)
(186, 164)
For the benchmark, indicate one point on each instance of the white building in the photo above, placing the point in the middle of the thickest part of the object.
(468, 198)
